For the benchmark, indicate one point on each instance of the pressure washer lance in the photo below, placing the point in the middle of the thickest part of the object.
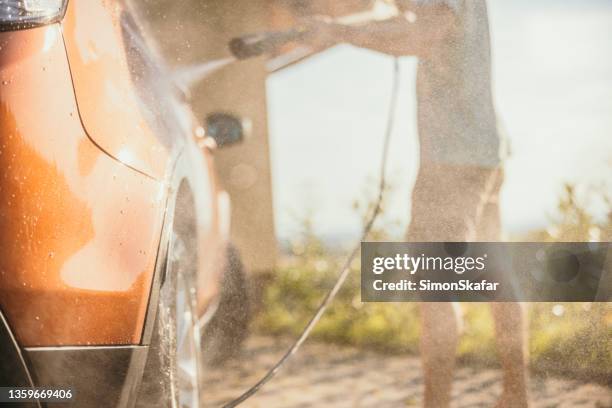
(258, 44)
(254, 45)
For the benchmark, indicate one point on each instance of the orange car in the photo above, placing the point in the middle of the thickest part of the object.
(113, 229)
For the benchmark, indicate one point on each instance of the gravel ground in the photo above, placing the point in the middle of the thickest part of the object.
(323, 375)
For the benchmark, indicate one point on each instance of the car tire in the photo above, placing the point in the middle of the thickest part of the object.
(163, 381)
(224, 334)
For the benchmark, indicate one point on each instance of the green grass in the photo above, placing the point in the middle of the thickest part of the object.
(576, 341)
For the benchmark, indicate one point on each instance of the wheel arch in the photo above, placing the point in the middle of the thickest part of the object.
(183, 216)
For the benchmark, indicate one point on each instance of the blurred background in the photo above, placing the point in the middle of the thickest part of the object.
(302, 182)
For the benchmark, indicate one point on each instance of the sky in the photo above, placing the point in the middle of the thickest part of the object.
(552, 70)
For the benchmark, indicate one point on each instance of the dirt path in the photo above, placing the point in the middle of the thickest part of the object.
(328, 376)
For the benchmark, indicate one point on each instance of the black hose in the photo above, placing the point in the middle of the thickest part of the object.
(345, 270)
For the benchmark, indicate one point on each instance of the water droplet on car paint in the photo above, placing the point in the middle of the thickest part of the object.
(51, 255)
(558, 310)
(5, 82)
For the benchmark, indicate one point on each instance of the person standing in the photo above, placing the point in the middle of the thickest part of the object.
(455, 197)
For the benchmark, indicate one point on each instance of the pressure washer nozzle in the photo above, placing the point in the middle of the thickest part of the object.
(254, 45)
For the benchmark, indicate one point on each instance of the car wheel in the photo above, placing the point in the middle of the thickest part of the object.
(223, 336)
(172, 372)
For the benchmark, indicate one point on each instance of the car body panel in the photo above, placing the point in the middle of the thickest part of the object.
(98, 376)
(117, 75)
(111, 106)
(13, 367)
(79, 230)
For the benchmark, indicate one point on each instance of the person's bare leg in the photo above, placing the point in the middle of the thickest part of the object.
(438, 346)
(510, 333)
(510, 336)
(441, 204)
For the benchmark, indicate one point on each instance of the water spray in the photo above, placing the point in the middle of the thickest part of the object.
(241, 48)
(186, 77)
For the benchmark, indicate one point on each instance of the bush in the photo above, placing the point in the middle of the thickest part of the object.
(569, 338)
